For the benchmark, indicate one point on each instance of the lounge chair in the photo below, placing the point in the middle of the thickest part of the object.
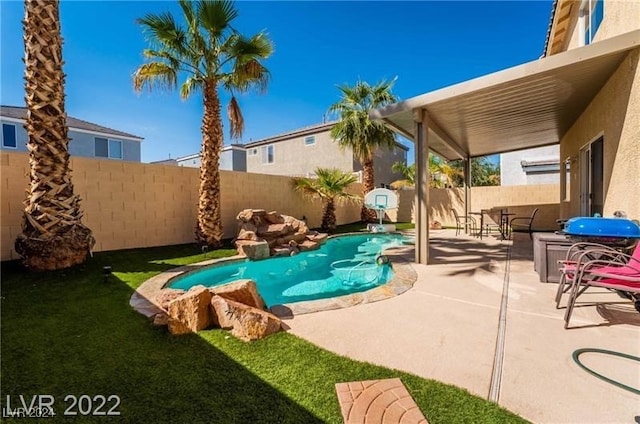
(612, 274)
(578, 255)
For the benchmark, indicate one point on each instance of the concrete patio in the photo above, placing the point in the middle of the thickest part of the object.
(449, 327)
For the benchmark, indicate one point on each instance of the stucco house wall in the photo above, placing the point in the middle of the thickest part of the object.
(512, 171)
(615, 114)
(232, 158)
(620, 16)
(292, 156)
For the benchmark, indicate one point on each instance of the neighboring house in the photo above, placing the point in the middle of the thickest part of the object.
(171, 162)
(532, 166)
(300, 152)
(232, 158)
(86, 139)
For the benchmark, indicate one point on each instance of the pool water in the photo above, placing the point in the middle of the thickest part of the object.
(343, 265)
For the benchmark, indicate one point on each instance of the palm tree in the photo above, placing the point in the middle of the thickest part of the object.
(210, 54)
(330, 186)
(440, 170)
(408, 174)
(357, 131)
(53, 236)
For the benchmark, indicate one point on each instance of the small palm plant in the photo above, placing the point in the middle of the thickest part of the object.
(330, 186)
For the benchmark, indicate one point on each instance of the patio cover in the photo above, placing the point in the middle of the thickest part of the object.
(529, 105)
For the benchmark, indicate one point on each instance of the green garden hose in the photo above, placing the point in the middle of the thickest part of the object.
(579, 352)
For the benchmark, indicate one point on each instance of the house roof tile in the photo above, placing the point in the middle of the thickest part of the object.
(74, 123)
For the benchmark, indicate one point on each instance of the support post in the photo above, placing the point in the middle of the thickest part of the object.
(467, 185)
(421, 204)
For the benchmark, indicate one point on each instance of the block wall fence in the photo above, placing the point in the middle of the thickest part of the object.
(130, 205)
(521, 200)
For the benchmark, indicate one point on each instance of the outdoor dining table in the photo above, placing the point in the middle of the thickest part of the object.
(503, 225)
(481, 215)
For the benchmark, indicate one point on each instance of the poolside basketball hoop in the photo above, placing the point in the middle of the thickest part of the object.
(381, 200)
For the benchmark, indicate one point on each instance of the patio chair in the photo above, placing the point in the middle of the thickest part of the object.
(605, 273)
(523, 224)
(579, 254)
(464, 222)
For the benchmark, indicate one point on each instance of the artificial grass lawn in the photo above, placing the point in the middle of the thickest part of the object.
(70, 333)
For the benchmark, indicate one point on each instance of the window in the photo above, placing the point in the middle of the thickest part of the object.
(106, 148)
(115, 149)
(9, 136)
(308, 141)
(253, 152)
(267, 154)
(591, 16)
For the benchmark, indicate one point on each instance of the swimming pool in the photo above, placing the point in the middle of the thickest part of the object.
(343, 265)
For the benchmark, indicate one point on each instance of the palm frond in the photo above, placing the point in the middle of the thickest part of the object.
(189, 86)
(236, 127)
(215, 16)
(156, 74)
(163, 32)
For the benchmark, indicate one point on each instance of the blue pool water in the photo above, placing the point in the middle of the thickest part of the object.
(342, 265)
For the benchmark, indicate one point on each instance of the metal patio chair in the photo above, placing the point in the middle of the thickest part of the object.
(464, 222)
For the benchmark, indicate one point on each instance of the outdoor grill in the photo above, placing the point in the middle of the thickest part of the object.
(613, 232)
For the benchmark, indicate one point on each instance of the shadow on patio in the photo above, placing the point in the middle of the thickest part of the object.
(446, 327)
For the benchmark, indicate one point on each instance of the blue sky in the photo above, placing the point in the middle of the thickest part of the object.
(318, 45)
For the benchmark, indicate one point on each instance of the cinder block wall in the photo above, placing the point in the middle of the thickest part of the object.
(517, 199)
(130, 205)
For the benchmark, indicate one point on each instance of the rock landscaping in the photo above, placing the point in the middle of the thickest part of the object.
(262, 234)
(235, 306)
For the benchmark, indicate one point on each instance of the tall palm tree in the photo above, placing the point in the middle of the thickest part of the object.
(357, 131)
(53, 236)
(330, 186)
(210, 54)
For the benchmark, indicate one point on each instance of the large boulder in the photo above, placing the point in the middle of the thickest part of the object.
(166, 296)
(253, 249)
(274, 217)
(246, 322)
(190, 312)
(243, 291)
(274, 230)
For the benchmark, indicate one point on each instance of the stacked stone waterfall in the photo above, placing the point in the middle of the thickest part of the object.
(263, 234)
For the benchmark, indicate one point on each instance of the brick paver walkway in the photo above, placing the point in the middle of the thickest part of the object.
(378, 401)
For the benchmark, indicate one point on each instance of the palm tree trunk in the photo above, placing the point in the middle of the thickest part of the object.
(53, 236)
(209, 225)
(329, 216)
(366, 214)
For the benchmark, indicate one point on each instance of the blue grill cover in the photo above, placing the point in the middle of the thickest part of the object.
(602, 227)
